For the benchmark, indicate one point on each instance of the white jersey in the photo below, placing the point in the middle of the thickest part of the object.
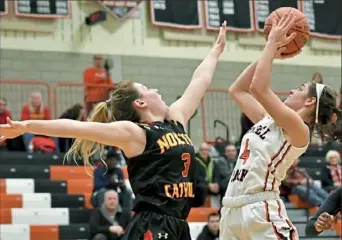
(264, 158)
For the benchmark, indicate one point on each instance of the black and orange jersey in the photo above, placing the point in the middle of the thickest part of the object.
(163, 176)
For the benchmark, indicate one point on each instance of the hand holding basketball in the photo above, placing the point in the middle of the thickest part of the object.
(279, 30)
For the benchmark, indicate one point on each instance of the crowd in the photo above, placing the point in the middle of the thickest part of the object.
(112, 198)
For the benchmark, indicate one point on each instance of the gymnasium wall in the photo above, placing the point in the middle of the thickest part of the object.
(60, 50)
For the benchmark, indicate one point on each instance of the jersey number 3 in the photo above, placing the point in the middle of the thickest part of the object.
(246, 152)
(186, 157)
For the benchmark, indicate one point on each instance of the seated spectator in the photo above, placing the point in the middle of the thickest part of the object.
(212, 230)
(332, 173)
(220, 145)
(4, 114)
(111, 177)
(76, 112)
(35, 109)
(109, 221)
(211, 170)
(201, 189)
(317, 78)
(296, 181)
(226, 165)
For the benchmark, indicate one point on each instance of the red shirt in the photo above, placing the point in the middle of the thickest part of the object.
(26, 114)
(4, 115)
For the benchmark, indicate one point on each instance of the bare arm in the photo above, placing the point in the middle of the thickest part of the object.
(284, 116)
(185, 106)
(239, 91)
(119, 134)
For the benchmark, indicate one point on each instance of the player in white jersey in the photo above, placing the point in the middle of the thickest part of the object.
(252, 209)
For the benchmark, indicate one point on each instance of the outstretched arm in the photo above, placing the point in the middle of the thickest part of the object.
(185, 106)
(284, 116)
(239, 91)
(119, 134)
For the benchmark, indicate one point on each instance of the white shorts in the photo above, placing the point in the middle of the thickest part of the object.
(260, 216)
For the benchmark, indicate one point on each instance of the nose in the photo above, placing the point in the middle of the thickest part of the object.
(291, 92)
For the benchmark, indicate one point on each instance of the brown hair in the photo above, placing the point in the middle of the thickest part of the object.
(118, 108)
(326, 128)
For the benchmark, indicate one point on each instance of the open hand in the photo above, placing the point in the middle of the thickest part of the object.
(11, 130)
(279, 31)
(221, 39)
(324, 222)
(117, 229)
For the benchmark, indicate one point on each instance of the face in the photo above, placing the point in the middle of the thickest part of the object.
(333, 159)
(204, 150)
(36, 99)
(214, 223)
(2, 106)
(111, 200)
(81, 114)
(230, 152)
(98, 60)
(150, 99)
(298, 98)
(111, 163)
(317, 78)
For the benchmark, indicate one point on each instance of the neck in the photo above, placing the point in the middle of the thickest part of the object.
(148, 117)
(303, 113)
(214, 232)
(111, 211)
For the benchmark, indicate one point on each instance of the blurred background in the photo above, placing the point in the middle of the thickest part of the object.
(59, 58)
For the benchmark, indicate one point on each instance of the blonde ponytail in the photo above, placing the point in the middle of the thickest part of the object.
(85, 148)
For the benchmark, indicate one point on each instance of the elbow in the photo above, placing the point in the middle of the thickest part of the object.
(256, 89)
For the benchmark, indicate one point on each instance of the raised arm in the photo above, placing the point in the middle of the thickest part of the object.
(186, 105)
(284, 116)
(239, 91)
(119, 134)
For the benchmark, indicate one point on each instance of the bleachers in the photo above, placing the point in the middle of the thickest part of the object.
(41, 199)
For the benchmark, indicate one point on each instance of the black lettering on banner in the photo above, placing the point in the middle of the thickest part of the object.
(176, 13)
(43, 8)
(325, 17)
(263, 8)
(3, 7)
(237, 13)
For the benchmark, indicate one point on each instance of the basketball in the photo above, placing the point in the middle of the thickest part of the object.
(301, 27)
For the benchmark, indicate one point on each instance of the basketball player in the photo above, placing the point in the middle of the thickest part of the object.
(252, 209)
(160, 156)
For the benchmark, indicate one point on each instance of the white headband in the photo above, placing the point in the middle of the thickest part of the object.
(319, 90)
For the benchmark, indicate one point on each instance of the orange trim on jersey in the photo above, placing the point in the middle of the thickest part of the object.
(276, 233)
(270, 164)
(293, 231)
(277, 164)
(267, 214)
(279, 209)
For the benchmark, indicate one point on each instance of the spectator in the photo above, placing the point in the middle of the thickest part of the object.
(35, 109)
(76, 112)
(211, 170)
(94, 75)
(211, 231)
(4, 113)
(220, 144)
(332, 172)
(226, 165)
(109, 221)
(296, 181)
(317, 78)
(111, 177)
(201, 189)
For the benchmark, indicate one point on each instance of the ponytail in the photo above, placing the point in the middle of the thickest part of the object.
(85, 148)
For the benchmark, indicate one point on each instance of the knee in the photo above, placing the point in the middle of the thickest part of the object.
(100, 236)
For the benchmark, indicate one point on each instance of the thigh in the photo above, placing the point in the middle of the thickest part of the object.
(152, 226)
(268, 221)
(320, 192)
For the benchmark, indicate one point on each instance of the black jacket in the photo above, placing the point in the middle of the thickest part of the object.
(207, 235)
(99, 223)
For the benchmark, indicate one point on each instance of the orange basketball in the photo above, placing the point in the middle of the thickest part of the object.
(301, 27)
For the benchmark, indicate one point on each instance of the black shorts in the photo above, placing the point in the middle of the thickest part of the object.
(155, 226)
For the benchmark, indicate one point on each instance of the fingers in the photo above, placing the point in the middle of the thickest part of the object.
(2, 138)
(289, 22)
(9, 121)
(274, 23)
(290, 38)
(223, 28)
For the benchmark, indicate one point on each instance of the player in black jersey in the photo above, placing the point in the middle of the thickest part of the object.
(158, 151)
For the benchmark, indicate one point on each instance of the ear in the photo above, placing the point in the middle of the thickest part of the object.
(311, 101)
(139, 104)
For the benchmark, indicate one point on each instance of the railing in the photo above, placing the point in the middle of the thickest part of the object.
(218, 106)
(67, 94)
(17, 93)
